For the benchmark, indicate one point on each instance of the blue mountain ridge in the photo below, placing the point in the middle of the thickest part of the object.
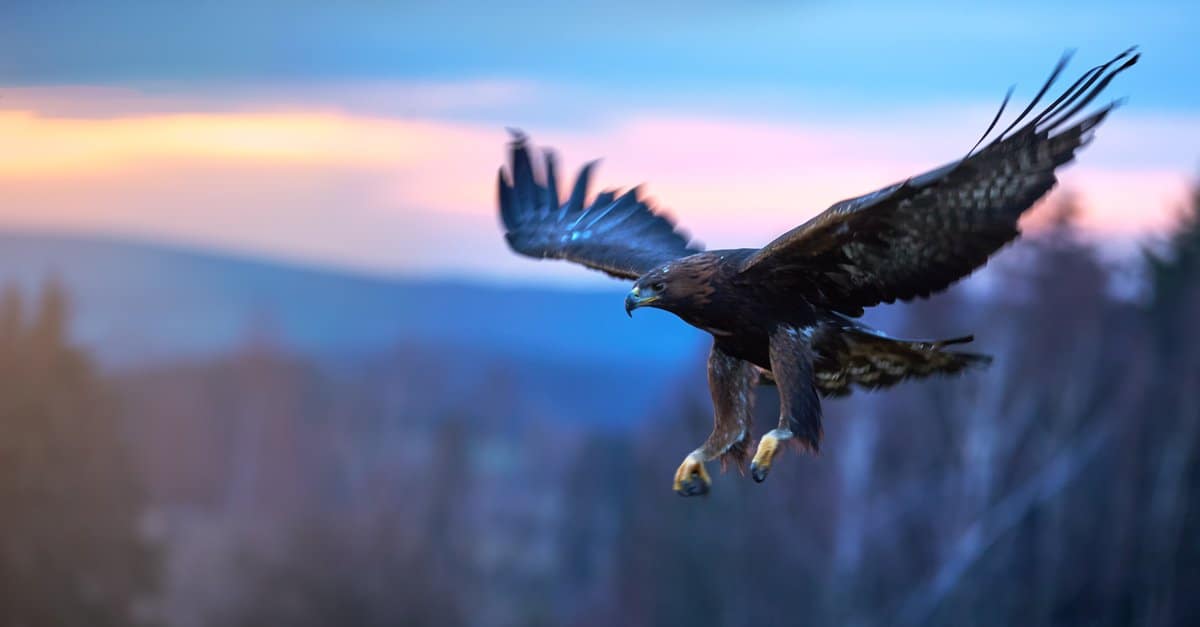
(136, 302)
(139, 305)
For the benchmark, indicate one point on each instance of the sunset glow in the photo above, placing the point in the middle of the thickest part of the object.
(401, 194)
(57, 146)
(370, 139)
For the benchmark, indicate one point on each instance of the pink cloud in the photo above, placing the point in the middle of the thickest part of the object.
(417, 194)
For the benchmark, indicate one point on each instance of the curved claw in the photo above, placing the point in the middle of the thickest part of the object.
(759, 473)
(768, 446)
(691, 479)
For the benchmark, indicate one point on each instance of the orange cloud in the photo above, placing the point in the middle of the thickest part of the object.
(418, 194)
(56, 147)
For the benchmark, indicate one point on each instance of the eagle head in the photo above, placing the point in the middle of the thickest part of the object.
(676, 286)
(649, 291)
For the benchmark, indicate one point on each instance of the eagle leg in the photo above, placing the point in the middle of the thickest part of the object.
(691, 479)
(731, 382)
(791, 356)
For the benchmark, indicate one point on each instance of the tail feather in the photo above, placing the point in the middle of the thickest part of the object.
(966, 339)
(866, 358)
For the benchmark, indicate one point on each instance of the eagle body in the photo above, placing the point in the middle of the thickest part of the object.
(785, 313)
(707, 291)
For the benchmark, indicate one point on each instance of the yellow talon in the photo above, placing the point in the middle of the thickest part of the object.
(767, 447)
(691, 478)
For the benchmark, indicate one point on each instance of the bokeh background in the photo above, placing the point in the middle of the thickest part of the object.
(265, 359)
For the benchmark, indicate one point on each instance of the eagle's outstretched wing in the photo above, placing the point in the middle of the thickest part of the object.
(917, 237)
(621, 236)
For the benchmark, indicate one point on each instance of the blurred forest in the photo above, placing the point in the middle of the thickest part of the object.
(262, 487)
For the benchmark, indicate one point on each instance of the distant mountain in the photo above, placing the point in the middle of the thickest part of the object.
(137, 303)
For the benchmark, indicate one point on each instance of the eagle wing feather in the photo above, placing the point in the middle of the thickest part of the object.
(917, 237)
(622, 236)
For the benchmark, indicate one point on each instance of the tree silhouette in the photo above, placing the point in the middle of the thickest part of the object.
(1171, 477)
(70, 551)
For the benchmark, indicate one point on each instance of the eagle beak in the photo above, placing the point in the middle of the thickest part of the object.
(634, 299)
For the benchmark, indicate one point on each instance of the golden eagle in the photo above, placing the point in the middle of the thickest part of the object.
(784, 313)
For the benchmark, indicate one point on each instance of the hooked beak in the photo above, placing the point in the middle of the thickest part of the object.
(634, 299)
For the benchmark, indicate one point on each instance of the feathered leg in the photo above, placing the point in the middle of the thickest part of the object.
(799, 406)
(731, 382)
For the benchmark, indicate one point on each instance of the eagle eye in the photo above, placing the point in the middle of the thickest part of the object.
(658, 286)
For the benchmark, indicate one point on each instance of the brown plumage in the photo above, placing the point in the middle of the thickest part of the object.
(784, 313)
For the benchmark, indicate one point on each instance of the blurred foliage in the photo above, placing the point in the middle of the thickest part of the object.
(334, 572)
(1061, 486)
(71, 551)
(1172, 276)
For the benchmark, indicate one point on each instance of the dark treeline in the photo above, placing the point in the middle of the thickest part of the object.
(72, 543)
(1060, 486)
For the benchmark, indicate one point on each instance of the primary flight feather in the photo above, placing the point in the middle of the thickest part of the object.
(784, 313)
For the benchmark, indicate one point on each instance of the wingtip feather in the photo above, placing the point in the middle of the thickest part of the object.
(579, 191)
(1003, 104)
(1054, 74)
(504, 198)
(551, 179)
(1083, 91)
(965, 339)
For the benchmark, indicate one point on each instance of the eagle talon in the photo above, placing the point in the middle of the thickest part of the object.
(691, 479)
(768, 446)
(759, 473)
(693, 487)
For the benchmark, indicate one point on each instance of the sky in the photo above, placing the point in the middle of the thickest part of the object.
(366, 135)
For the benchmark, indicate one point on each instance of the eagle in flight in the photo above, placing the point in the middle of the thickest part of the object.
(784, 314)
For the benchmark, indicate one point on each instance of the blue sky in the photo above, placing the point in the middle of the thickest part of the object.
(856, 50)
(803, 104)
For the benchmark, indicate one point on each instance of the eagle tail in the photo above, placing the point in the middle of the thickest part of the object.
(862, 357)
